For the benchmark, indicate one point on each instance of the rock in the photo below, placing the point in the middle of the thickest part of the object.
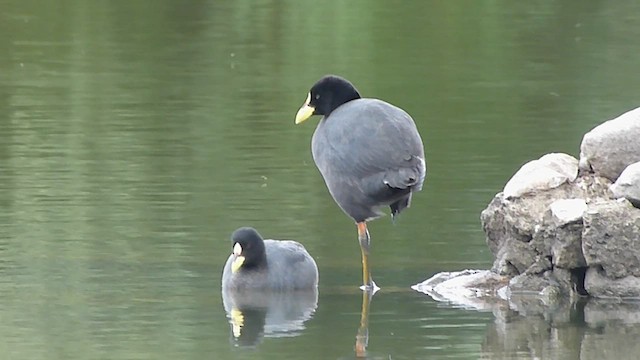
(550, 238)
(628, 184)
(566, 211)
(521, 230)
(570, 282)
(599, 285)
(561, 233)
(612, 146)
(610, 239)
(514, 258)
(530, 283)
(548, 172)
(509, 227)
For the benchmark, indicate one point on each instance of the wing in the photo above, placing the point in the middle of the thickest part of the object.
(370, 138)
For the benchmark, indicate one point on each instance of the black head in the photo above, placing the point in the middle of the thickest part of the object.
(326, 95)
(249, 245)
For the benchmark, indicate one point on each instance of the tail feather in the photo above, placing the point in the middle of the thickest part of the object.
(398, 206)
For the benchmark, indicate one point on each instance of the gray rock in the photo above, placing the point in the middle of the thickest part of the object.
(563, 242)
(514, 258)
(548, 172)
(612, 146)
(521, 230)
(566, 211)
(567, 282)
(610, 239)
(561, 233)
(628, 184)
(599, 285)
(531, 283)
(556, 233)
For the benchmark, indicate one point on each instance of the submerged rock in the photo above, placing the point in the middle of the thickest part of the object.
(474, 289)
(612, 146)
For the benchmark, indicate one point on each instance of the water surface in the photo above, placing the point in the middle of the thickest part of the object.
(136, 136)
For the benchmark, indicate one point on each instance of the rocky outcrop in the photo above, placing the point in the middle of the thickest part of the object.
(563, 227)
(567, 229)
(551, 239)
(612, 146)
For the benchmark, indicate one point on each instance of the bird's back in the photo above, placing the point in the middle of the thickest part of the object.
(370, 154)
(290, 264)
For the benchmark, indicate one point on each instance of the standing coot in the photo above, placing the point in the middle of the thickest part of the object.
(369, 153)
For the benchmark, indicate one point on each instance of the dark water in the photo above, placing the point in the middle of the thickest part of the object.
(136, 136)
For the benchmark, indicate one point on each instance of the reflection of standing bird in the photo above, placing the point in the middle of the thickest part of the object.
(368, 151)
(268, 264)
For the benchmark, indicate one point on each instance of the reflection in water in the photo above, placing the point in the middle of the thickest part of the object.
(362, 337)
(256, 314)
(584, 329)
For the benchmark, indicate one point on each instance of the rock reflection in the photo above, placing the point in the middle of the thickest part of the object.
(254, 315)
(581, 329)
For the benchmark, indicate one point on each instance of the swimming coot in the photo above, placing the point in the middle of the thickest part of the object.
(267, 264)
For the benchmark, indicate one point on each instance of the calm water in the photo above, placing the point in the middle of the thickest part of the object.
(136, 136)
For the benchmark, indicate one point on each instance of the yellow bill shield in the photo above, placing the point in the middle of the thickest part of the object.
(305, 111)
(239, 260)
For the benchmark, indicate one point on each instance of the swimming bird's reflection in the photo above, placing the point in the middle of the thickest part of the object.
(256, 314)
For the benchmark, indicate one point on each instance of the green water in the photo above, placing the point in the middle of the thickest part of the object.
(135, 136)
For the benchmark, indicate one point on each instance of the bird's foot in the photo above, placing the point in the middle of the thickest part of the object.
(370, 288)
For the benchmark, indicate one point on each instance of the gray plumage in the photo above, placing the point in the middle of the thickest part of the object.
(286, 266)
(370, 155)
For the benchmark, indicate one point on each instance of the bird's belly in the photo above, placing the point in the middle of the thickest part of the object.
(350, 194)
(359, 192)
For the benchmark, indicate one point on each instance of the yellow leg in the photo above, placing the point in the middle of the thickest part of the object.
(363, 238)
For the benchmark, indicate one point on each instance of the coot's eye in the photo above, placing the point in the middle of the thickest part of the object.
(317, 96)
